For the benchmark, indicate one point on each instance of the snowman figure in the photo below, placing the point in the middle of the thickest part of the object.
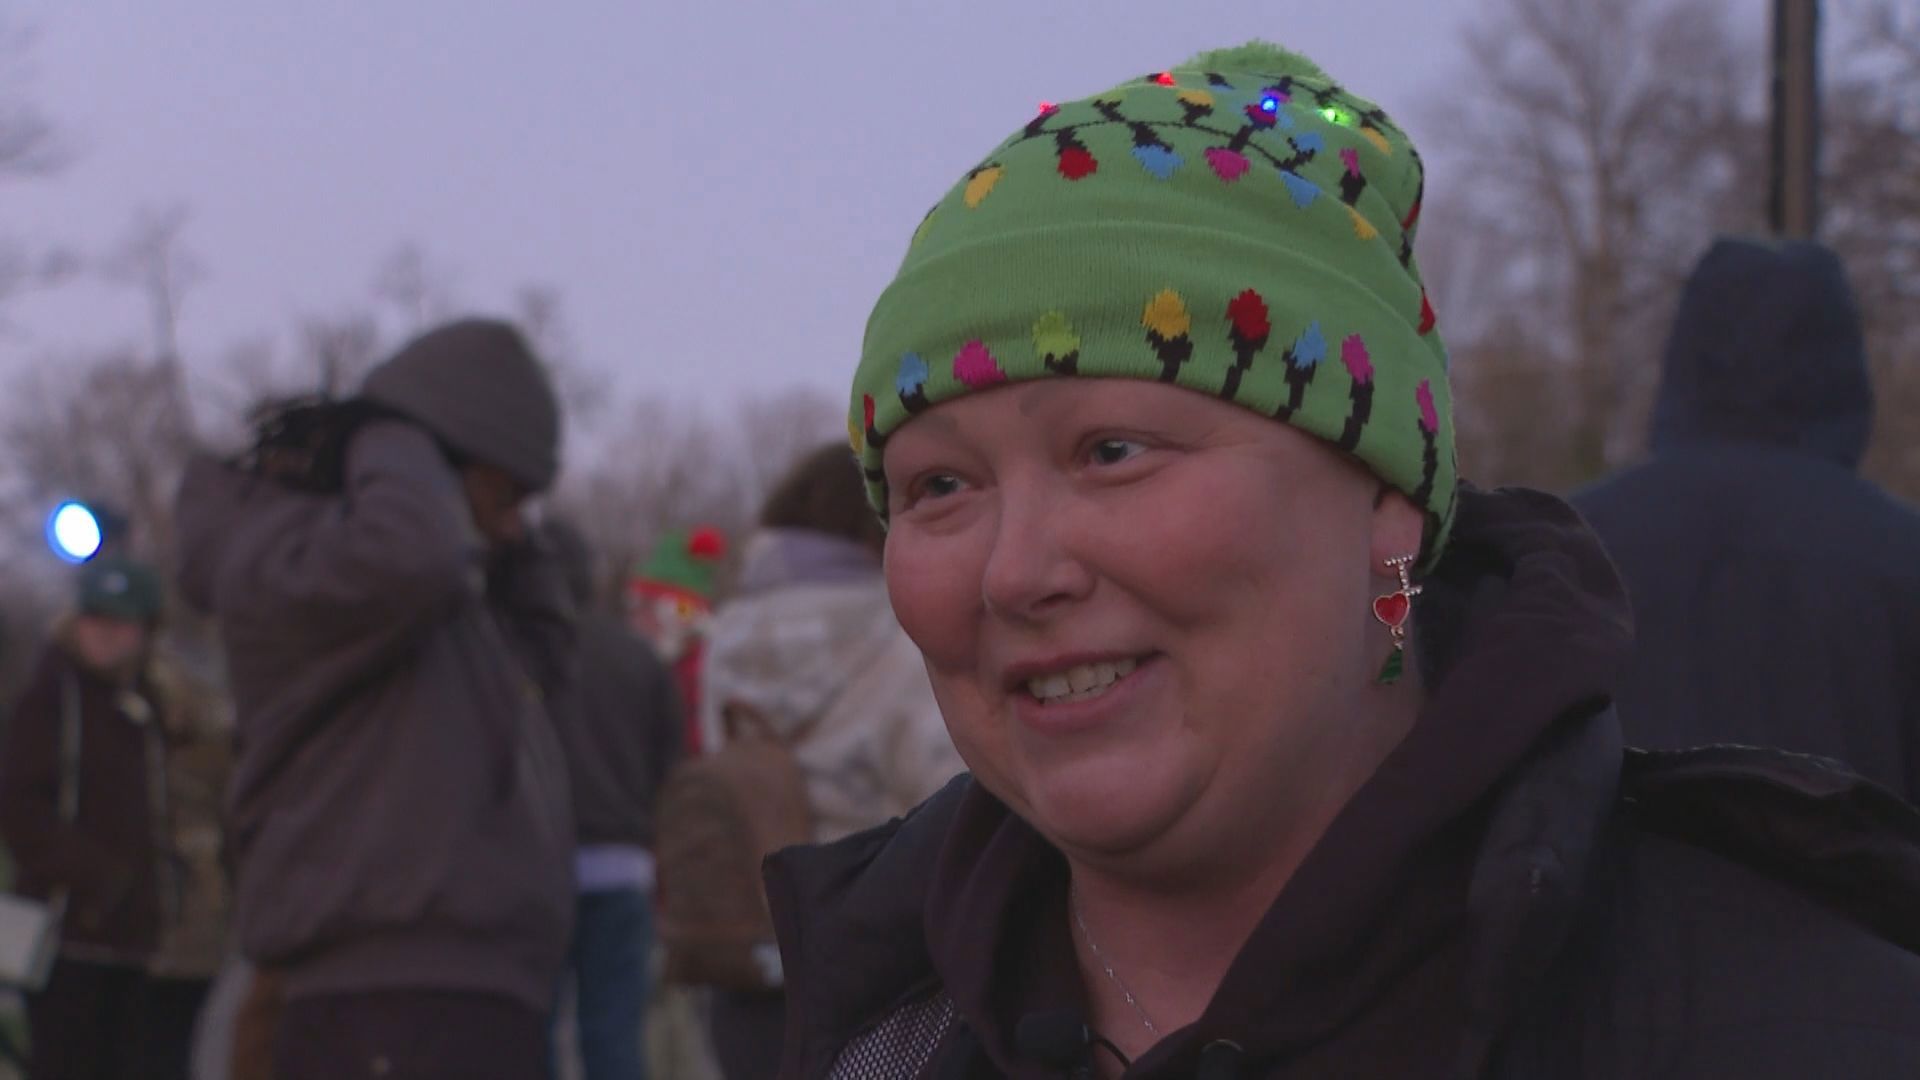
(670, 603)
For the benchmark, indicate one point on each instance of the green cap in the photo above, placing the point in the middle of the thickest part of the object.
(1241, 225)
(120, 588)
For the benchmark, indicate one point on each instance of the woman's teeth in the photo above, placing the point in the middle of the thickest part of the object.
(1079, 683)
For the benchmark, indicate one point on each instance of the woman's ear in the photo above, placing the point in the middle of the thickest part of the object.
(1399, 530)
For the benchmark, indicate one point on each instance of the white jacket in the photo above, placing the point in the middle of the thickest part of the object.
(812, 645)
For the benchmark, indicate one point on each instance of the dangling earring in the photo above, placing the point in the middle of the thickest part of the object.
(1393, 610)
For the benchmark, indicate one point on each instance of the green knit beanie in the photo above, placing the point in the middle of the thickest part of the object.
(117, 588)
(1242, 226)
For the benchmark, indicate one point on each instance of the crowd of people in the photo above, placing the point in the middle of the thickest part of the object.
(1143, 695)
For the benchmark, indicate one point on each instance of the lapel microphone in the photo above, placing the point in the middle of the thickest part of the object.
(1061, 1039)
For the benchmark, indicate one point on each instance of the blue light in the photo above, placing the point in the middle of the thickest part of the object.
(74, 532)
(1270, 104)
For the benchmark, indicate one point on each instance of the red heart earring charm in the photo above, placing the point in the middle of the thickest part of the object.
(1393, 610)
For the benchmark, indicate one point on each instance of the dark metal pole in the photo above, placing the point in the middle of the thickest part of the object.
(1793, 205)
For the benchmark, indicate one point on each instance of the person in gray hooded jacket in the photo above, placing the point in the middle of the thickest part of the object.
(400, 810)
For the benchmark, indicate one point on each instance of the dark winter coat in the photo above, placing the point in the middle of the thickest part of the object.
(620, 719)
(1511, 895)
(400, 811)
(1777, 594)
(622, 730)
(110, 860)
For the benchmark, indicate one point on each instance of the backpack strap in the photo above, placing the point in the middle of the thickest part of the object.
(740, 721)
(70, 720)
(68, 796)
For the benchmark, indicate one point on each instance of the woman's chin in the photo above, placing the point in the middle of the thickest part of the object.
(1107, 807)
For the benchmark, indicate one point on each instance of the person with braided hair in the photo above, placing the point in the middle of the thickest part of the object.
(394, 628)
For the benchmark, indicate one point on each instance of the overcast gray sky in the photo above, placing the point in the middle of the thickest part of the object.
(718, 189)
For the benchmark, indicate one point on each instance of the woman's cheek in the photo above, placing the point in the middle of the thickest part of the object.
(969, 724)
(935, 585)
(935, 599)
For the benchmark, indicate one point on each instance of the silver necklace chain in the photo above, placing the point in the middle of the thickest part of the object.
(1073, 902)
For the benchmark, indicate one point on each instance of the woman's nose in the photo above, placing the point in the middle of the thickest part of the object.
(1034, 567)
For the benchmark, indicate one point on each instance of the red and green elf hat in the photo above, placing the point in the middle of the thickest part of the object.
(683, 566)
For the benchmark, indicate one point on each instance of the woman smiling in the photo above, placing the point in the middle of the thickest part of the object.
(1291, 756)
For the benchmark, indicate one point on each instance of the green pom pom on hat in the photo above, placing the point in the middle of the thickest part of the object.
(1241, 225)
(1257, 57)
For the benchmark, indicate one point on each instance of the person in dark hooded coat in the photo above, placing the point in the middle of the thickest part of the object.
(1158, 418)
(620, 723)
(1776, 592)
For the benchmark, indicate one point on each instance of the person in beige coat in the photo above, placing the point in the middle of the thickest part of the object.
(809, 643)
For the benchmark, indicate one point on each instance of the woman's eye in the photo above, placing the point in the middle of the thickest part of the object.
(1115, 451)
(937, 486)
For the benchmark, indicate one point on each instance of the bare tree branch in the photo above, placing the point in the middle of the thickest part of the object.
(421, 292)
(112, 431)
(776, 430)
(1609, 142)
(154, 259)
(29, 145)
(583, 391)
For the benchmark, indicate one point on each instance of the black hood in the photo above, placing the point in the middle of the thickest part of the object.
(1767, 348)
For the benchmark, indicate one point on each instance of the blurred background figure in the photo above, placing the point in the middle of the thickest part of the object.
(670, 602)
(393, 626)
(255, 1020)
(621, 725)
(195, 940)
(1777, 593)
(809, 647)
(138, 750)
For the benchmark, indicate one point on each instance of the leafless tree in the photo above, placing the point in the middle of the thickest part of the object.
(30, 149)
(670, 467)
(336, 353)
(775, 430)
(1604, 140)
(420, 291)
(584, 392)
(112, 431)
(29, 146)
(667, 467)
(1603, 145)
(1891, 28)
(1871, 188)
(153, 258)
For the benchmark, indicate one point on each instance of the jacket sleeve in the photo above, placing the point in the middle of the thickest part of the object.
(528, 588)
(394, 552)
(42, 845)
(666, 720)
